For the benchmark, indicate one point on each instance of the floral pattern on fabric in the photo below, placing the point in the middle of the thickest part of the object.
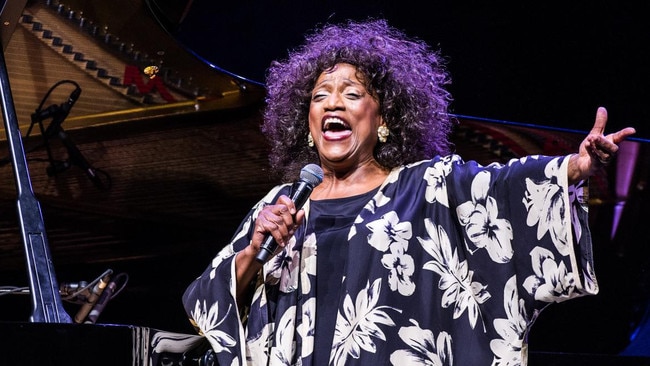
(449, 263)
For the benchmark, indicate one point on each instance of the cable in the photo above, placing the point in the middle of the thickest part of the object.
(12, 290)
(39, 115)
(122, 279)
(84, 288)
(58, 113)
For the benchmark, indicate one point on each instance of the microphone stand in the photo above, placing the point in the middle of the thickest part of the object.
(74, 154)
(55, 166)
(47, 305)
(75, 157)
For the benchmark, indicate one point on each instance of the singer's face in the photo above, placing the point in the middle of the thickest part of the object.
(343, 118)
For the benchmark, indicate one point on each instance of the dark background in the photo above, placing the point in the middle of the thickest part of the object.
(543, 63)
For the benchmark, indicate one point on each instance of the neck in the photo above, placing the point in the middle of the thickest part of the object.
(340, 184)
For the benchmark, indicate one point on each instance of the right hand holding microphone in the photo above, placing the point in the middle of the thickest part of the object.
(278, 221)
(282, 219)
(274, 227)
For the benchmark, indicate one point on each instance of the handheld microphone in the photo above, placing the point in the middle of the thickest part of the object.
(310, 176)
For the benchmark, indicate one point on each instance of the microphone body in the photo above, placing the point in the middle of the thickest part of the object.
(42, 114)
(310, 176)
(85, 309)
(101, 302)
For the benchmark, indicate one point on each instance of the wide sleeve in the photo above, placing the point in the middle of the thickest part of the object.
(498, 242)
(210, 300)
(526, 216)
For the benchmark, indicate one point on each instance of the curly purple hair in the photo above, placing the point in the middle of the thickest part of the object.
(405, 74)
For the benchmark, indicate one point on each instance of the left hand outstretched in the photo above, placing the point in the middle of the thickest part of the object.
(597, 149)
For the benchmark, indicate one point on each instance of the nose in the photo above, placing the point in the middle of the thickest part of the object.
(333, 101)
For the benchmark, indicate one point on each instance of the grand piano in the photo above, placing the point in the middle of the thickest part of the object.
(121, 145)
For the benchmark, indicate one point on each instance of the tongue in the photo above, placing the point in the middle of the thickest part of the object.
(337, 135)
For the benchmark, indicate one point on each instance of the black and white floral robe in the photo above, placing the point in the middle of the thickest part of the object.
(448, 264)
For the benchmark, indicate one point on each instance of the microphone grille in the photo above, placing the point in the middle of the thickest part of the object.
(312, 174)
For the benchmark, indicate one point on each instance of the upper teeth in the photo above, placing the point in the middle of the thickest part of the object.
(333, 120)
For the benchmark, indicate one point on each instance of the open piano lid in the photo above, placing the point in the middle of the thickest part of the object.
(50, 338)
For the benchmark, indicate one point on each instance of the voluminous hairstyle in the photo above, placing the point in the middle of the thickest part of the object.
(405, 74)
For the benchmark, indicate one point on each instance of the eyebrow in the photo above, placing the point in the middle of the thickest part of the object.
(347, 81)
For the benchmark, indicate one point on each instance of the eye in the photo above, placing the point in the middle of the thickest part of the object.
(353, 92)
(318, 96)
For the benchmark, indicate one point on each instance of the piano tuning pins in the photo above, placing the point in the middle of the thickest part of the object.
(151, 71)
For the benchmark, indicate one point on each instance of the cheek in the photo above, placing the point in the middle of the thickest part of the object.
(313, 120)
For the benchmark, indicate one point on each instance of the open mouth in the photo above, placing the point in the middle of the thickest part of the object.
(336, 129)
(335, 125)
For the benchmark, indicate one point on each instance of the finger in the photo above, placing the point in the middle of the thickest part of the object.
(600, 122)
(280, 214)
(609, 143)
(604, 155)
(276, 219)
(274, 226)
(298, 219)
(286, 201)
(259, 228)
(621, 135)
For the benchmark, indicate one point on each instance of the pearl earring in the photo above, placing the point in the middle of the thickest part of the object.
(310, 140)
(383, 132)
